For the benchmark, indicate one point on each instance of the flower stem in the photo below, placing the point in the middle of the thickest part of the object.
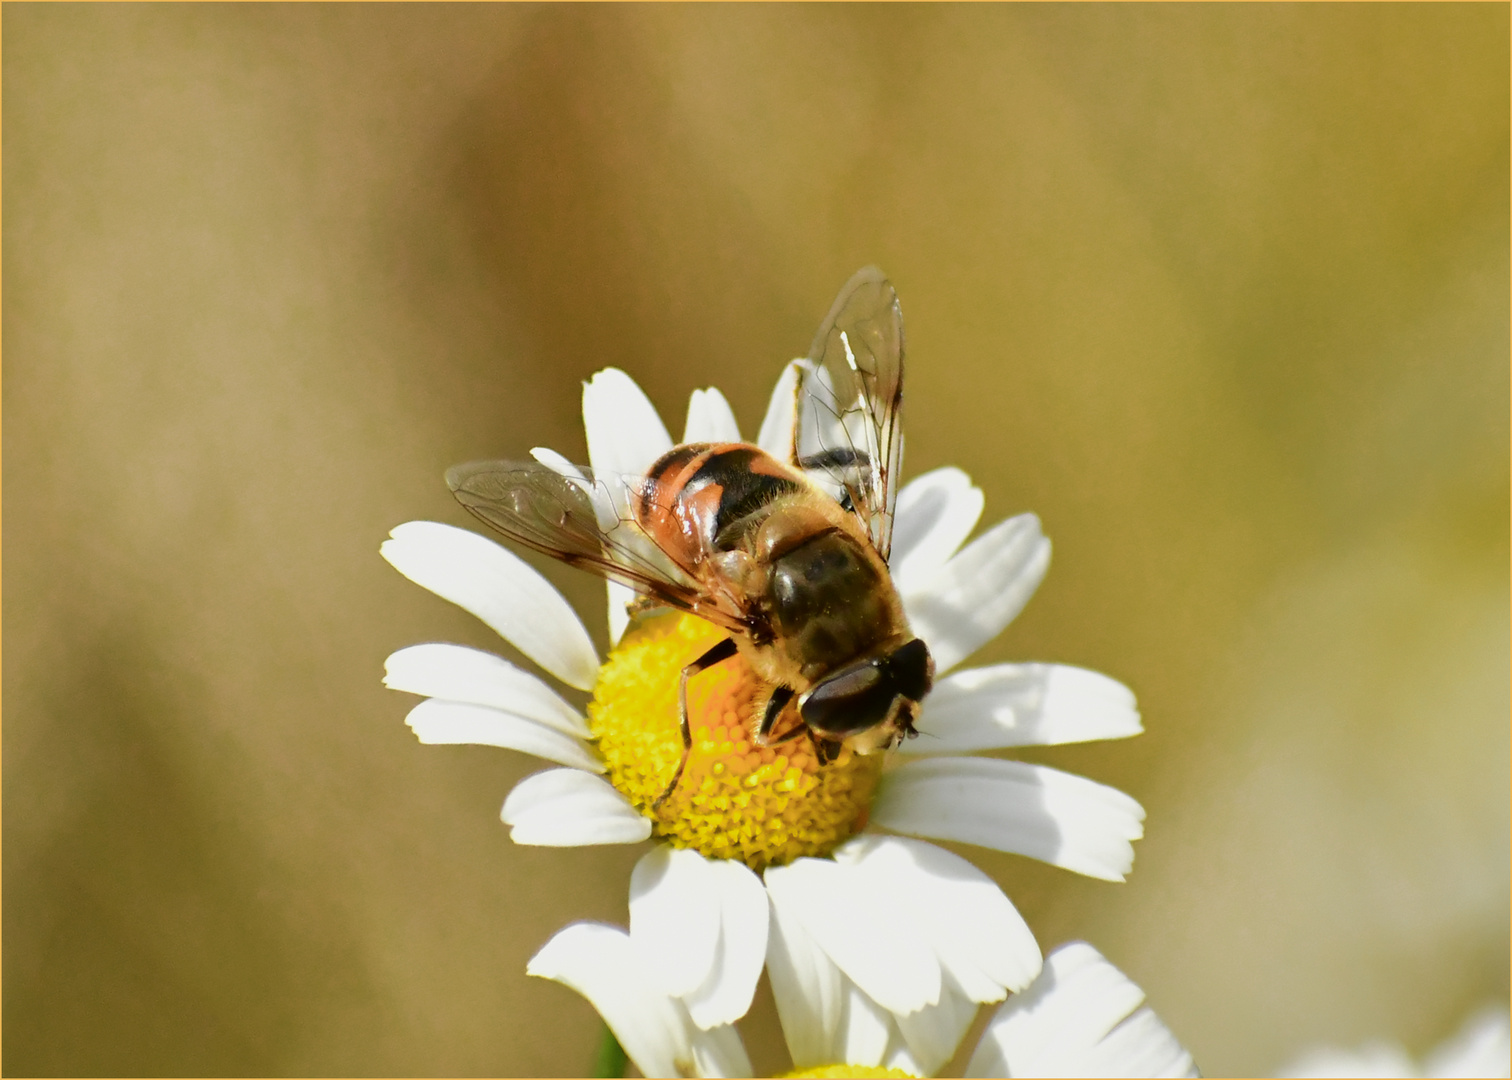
(611, 1059)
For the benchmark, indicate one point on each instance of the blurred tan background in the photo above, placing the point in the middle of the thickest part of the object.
(1221, 292)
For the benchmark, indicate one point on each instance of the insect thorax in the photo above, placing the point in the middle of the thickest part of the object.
(830, 601)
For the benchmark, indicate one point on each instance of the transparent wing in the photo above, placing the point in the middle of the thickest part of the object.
(584, 520)
(849, 434)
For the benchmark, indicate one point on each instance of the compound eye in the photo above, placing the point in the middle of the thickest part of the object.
(852, 700)
(912, 669)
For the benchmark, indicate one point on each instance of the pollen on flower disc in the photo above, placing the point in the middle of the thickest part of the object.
(736, 800)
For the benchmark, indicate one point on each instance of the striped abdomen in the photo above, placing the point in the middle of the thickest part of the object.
(704, 498)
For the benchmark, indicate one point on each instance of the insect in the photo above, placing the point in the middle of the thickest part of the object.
(786, 553)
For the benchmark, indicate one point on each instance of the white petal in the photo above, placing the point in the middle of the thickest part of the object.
(710, 418)
(610, 512)
(778, 430)
(825, 422)
(620, 598)
(1376, 1058)
(457, 673)
(1076, 1021)
(967, 602)
(726, 993)
(837, 903)
(609, 515)
(601, 492)
(599, 963)
(866, 1029)
(936, 513)
(559, 465)
(901, 975)
(674, 918)
(719, 1052)
(625, 435)
(498, 587)
(974, 931)
(808, 988)
(1140, 1046)
(989, 708)
(608, 492)
(570, 808)
(901, 1058)
(1483, 1047)
(935, 1031)
(439, 722)
(1032, 810)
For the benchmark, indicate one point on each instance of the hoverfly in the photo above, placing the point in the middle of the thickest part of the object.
(787, 554)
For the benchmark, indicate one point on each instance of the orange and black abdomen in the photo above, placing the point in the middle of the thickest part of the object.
(698, 491)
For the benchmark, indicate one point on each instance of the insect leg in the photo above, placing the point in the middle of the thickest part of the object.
(796, 731)
(722, 651)
(824, 750)
(775, 704)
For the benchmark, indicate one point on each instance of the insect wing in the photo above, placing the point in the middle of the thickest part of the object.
(573, 515)
(849, 435)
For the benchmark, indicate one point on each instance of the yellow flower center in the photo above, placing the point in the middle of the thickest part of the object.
(826, 1071)
(762, 805)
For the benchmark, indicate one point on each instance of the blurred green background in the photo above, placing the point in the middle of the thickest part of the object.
(1221, 292)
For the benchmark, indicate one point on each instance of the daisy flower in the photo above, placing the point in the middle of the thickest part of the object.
(1080, 1017)
(752, 833)
(1482, 1047)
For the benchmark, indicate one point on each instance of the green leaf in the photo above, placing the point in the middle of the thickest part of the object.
(611, 1058)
